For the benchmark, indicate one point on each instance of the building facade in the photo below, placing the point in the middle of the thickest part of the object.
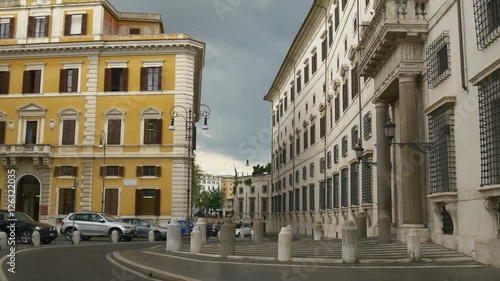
(250, 200)
(415, 83)
(227, 184)
(85, 91)
(209, 182)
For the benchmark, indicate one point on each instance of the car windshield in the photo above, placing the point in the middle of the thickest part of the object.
(23, 217)
(108, 217)
(238, 225)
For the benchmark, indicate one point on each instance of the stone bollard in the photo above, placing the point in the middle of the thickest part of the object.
(174, 236)
(360, 220)
(35, 238)
(76, 238)
(114, 237)
(258, 231)
(203, 229)
(349, 242)
(318, 231)
(242, 236)
(151, 236)
(285, 238)
(384, 227)
(227, 238)
(413, 243)
(3, 240)
(196, 240)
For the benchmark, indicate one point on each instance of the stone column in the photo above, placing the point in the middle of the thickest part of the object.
(410, 177)
(383, 174)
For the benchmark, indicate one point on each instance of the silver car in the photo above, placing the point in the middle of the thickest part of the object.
(144, 227)
(91, 224)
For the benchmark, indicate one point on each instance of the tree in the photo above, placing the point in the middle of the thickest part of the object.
(211, 200)
(196, 184)
(261, 170)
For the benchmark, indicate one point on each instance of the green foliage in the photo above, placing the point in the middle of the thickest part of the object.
(213, 199)
(196, 184)
(261, 170)
(248, 182)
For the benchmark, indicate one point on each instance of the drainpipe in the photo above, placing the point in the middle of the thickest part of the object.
(463, 69)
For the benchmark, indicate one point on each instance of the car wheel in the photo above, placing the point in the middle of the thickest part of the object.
(157, 236)
(86, 238)
(46, 241)
(26, 236)
(128, 238)
(69, 233)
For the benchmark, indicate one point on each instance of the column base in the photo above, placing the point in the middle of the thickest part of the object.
(422, 231)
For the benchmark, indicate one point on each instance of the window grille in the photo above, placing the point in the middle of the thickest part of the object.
(329, 193)
(291, 208)
(487, 17)
(367, 181)
(304, 198)
(354, 184)
(290, 179)
(447, 222)
(367, 126)
(297, 199)
(438, 60)
(354, 136)
(336, 191)
(304, 173)
(489, 124)
(336, 154)
(344, 200)
(442, 161)
(312, 203)
(329, 159)
(322, 194)
(344, 146)
(297, 176)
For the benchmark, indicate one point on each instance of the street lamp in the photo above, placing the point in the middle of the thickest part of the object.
(190, 127)
(102, 144)
(359, 154)
(390, 132)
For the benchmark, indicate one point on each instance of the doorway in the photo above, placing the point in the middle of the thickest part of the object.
(28, 196)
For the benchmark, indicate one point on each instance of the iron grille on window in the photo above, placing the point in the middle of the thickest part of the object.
(297, 177)
(291, 208)
(487, 15)
(344, 199)
(345, 95)
(297, 199)
(329, 159)
(283, 198)
(311, 170)
(442, 161)
(329, 193)
(367, 126)
(354, 136)
(367, 181)
(322, 192)
(304, 198)
(489, 124)
(336, 191)
(336, 154)
(290, 179)
(447, 222)
(354, 184)
(438, 60)
(322, 165)
(304, 173)
(312, 203)
(344, 146)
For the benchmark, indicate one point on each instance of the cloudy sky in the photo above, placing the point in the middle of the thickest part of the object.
(247, 41)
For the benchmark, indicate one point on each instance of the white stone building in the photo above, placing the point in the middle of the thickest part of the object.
(251, 198)
(431, 68)
(209, 182)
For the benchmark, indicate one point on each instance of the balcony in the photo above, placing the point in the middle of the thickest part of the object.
(26, 150)
(393, 21)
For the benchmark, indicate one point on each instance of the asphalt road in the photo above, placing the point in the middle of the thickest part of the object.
(77, 263)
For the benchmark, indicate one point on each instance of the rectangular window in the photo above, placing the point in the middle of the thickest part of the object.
(367, 180)
(32, 80)
(354, 136)
(367, 126)
(330, 32)
(329, 159)
(4, 82)
(304, 173)
(6, 28)
(322, 193)
(324, 48)
(292, 93)
(38, 27)
(283, 202)
(297, 176)
(297, 146)
(114, 132)
(322, 165)
(148, 171)
(304, 198)
(112, 171)
(345, 95)
(68, 81)
(354, 184)
(337, 17)
(329, 193)
(438, 60)
(447, 222)
(31, 132)
(68, 132)
(336, 192)
(314, 62)
(355, 23)
(297, 200)
(153, 130)
(264, 205)
(134, 31)
(305, 140)
(292, 150)
(312, 202)
(489, 123)
(285, 102)
(299, 85)
(306, 73)
(111, 201)
(344, 146)
(66, 171)
(322, 127)
(291, 208)
(151, 78)
(3, 128)
(252, 205)
(290, 179)
(336, 154)
(75, 24)
(354, 82)
(311, 170)
(313, 134)
(344, 178)
(337, 108)
(66, 201)
(344, 3)
(147, 202)
(487, 17)
(116, 80)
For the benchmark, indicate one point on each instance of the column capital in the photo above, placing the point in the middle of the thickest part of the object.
(379, 102)
(407, 77)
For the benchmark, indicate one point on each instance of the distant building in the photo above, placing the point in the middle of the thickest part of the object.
(251, 198)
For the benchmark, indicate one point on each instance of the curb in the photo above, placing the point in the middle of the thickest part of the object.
(149, 271)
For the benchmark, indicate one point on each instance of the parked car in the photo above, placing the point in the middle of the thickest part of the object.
(91, 224)
(244, 228)
(183, 226)
(144, 227)
(25, 226)
(215, 229)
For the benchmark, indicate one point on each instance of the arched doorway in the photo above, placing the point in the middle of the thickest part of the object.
(28, 196)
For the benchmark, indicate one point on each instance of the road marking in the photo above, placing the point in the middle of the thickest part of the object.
(172, 275)
(318, 266)
(108, 257)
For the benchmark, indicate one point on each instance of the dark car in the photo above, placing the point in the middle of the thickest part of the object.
(25, 226)
(215, 229)
(144, 227)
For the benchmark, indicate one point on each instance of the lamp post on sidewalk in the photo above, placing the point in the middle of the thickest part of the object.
(190, 119)
(103, 144)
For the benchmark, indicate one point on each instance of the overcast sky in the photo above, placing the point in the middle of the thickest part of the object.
(247, 41)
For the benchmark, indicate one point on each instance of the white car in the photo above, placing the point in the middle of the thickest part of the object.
(244, 228)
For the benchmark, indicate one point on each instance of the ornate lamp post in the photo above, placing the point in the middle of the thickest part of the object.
(390, 132)
(190, 121)
(103, 144)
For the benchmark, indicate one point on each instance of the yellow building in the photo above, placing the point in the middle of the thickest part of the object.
(227, 189)
(86, 92)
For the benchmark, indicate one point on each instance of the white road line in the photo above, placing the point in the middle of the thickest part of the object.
(317, 266)
(108, 257)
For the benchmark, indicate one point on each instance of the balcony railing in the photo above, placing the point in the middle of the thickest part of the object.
(26, 149)
(393, 19)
